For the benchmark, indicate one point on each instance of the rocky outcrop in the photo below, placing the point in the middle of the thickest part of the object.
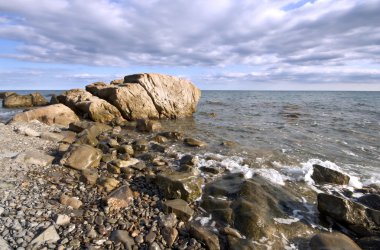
(150, 96)
(20, 101)
(53, 114)
(362, 220)
(89, 106)
(254, 207)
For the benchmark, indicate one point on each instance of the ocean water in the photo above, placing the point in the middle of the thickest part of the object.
(280, 134)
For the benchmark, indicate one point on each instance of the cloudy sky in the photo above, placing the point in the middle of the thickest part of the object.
(218, 44)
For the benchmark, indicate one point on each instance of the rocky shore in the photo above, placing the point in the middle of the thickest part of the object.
(122, 181)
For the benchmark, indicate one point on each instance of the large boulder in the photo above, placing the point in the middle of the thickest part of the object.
(151, 96)
(89, 106)
(19, 101)
(360, 219)
(53, 114)
(255, 207)
(322, 175)
(332, 241)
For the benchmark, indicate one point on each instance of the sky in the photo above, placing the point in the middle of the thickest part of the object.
(217, 44)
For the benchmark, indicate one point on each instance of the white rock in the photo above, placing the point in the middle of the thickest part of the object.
(27, 131)
(62, 219)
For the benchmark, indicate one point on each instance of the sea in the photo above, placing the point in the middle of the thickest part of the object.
(281, 134)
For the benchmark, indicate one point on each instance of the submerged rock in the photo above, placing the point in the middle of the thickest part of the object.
(52, 114)
(183, 185)
(322, 175)
(332, 241)
(371, 201)
(19, 101)
(194, 142)
(81, 157)
(147, 125)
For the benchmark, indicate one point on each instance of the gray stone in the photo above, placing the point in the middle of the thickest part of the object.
(34, 157)
(50, 136)
(82, 157)
(123, 237)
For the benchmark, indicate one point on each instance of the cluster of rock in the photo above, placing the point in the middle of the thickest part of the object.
(13, 100)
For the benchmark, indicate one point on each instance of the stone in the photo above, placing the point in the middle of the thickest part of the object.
(172, 135)
(79, 126)
(63, 147)
(88, 106)
(362, 220)
(154, 246)
(183, 185)
(169, 234)
(228, 144)
(62, 219)
(50, 136)
(117, 81)
(125, 163)
(370, 200)
(19, 101)
(180, 208)
(69, 137)
(120, 198)
(169, 220)
(53, 99)
(24, 130)
(189, 160)
(34, 157)
(49, 235)
(90, 176)
(194, 142)
(210, 239)
(332, 241)
(70, 201)
(82, 157)
(123, 237)
(93, 88)
(322, 175)
(108, 184)
(52, 114)
(160, 139)
(150, 237)
(235, 243)
(369, 243)
(231, 231)
(139, 166)
(126, 149)
(140, 145)
(143, 125)
(152, 96)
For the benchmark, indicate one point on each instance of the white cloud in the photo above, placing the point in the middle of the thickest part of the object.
(324, 36)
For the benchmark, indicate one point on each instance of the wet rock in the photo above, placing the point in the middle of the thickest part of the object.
(358, 218)
(183, 185)
(108, 184)
(70, 201)
(172, 135)
(369, 243)
(194, 142)
(180, 208)
(82, 157)
(123, 237)
(140, 145)
(332, 241)
(120, 198)
(62, 219)
(89, 176)
(228, 144)
(19, 101)
(34, 157)
(158, 147)
(169, 234)
(322, 175)
(143, 125)
(371, 201)
(49, 235)
(189, 160)
(211, 240)
(160, 139)
(211, 170)
(231, 231)
(235, 243)
(126, 149)
(52, 114)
